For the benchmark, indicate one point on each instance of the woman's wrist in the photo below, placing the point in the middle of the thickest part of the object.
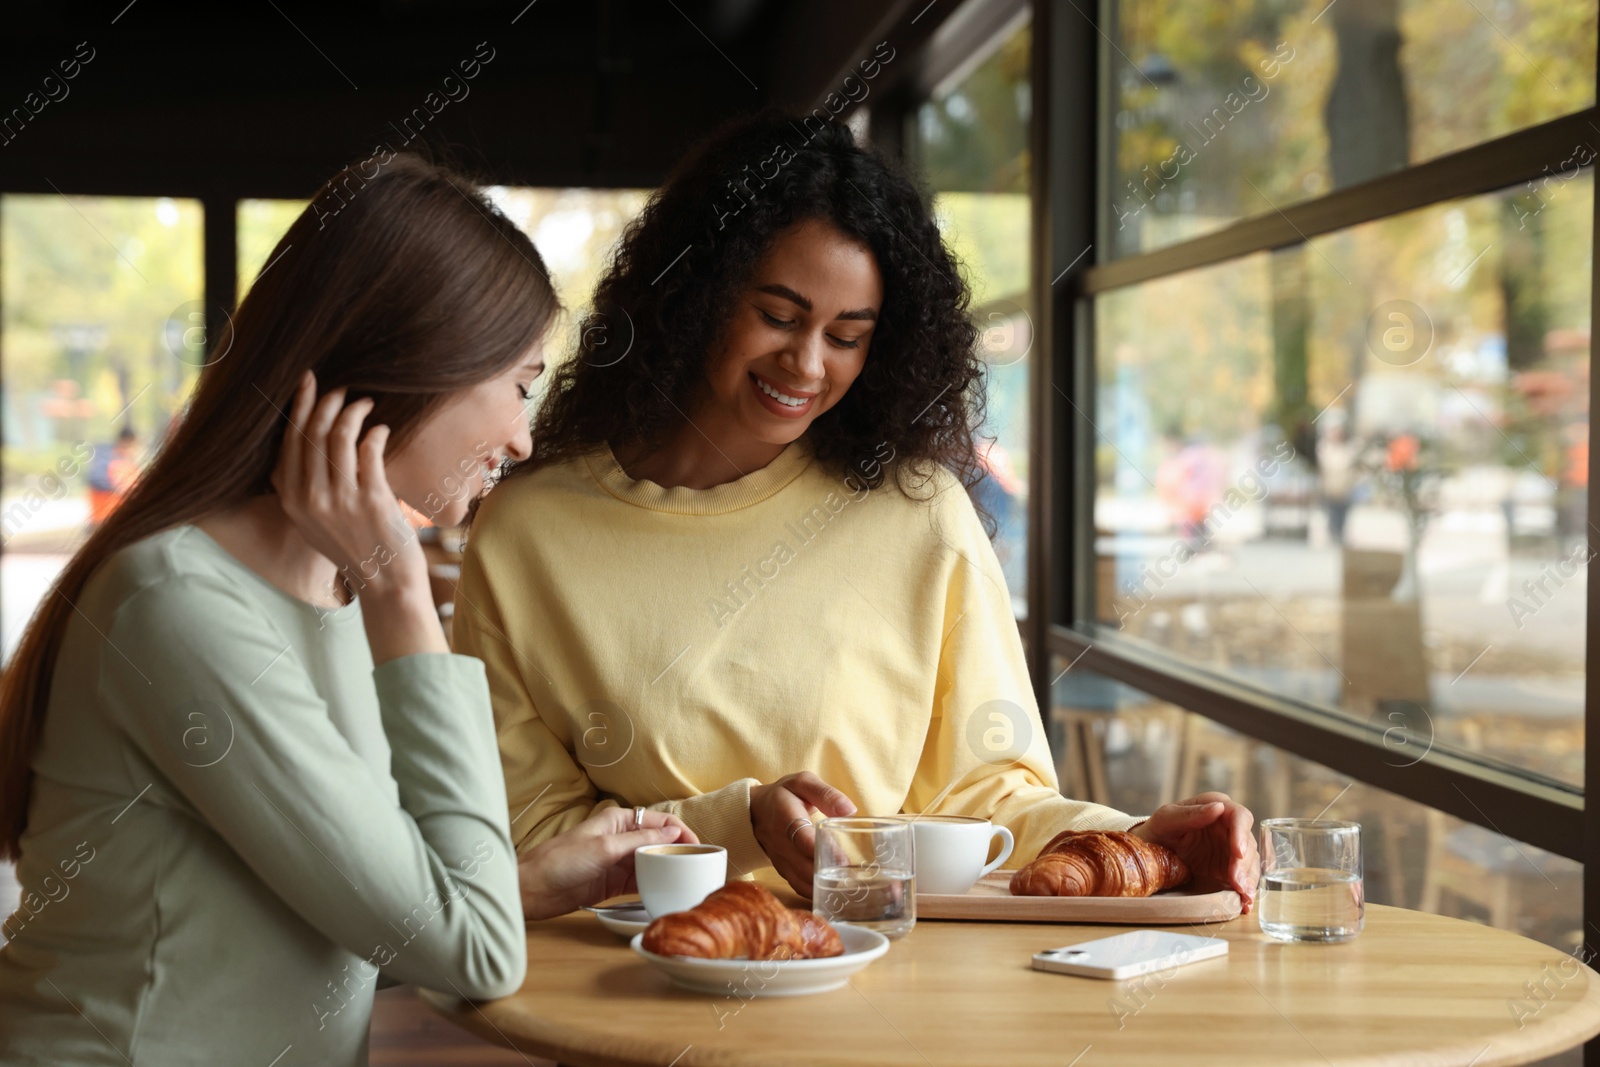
(401, 622)
(406, 596)
(531, 887)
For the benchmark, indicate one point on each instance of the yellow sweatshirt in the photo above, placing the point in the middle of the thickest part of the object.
(671, 647)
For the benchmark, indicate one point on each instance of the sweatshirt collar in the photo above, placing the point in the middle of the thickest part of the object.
(751, 489)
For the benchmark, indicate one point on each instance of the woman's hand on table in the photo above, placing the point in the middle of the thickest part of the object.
(780, 816)
(1211, 833)
(592, 861)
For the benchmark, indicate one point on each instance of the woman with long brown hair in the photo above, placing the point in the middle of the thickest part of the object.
(240, 769)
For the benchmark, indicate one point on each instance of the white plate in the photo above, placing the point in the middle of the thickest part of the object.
(624, 922)
(773, 978)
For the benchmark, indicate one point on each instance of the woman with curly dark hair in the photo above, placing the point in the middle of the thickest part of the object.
(740, 576)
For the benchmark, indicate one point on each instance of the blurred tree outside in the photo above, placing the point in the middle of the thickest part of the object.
(1359, 89)
(96, 296)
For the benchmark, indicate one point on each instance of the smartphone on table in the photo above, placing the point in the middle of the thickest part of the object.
(1129, 955)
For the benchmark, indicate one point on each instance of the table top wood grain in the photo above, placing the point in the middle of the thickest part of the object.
(1413, 989)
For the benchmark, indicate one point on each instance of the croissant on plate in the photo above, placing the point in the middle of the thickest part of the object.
(1100, 863)
(742, 919)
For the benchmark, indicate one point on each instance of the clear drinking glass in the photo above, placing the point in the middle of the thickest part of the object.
(865, 874)
(1311, 887)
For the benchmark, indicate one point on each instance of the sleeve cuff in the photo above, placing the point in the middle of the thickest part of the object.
(399, 680)
(1115, 820)
(722, 817)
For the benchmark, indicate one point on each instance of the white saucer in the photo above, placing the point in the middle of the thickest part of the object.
(624, 922)
(773, 978)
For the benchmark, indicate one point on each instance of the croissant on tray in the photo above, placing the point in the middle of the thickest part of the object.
(1100, 863)
(742, 919)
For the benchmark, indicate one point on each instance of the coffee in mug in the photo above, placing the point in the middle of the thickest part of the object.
(677, 877)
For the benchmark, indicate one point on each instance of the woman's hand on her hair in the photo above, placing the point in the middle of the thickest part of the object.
(780, 815)
(591, 861)
(335, 491)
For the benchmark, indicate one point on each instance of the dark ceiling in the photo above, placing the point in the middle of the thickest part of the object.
(268, 97)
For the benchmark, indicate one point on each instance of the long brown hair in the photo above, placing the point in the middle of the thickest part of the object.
(402, 282)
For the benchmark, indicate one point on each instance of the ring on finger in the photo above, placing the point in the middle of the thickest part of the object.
(794, 827)
(638, 817)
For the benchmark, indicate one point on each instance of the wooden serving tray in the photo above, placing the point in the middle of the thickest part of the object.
(991, 900)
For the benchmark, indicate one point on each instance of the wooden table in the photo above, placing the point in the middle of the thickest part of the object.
(1413, 989)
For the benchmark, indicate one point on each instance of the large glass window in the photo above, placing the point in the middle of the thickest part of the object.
(574, 231)
(970, 141)
(103, 334)
(1354, 472)
(262, 224)
(1224, 111)
(1326, 462)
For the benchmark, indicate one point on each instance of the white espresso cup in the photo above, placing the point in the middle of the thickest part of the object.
(952, 850)
(677, 877)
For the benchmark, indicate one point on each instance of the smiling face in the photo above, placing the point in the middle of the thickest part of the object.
(446, 464)
(797, 338)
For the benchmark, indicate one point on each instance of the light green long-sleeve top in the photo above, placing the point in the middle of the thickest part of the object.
(237, 823)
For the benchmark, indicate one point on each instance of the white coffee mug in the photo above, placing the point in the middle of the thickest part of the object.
(677, 877)
(951, 850)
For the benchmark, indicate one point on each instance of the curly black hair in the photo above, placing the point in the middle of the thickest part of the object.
(681, 265)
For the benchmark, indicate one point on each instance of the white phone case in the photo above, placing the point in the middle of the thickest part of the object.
(1130, 955)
